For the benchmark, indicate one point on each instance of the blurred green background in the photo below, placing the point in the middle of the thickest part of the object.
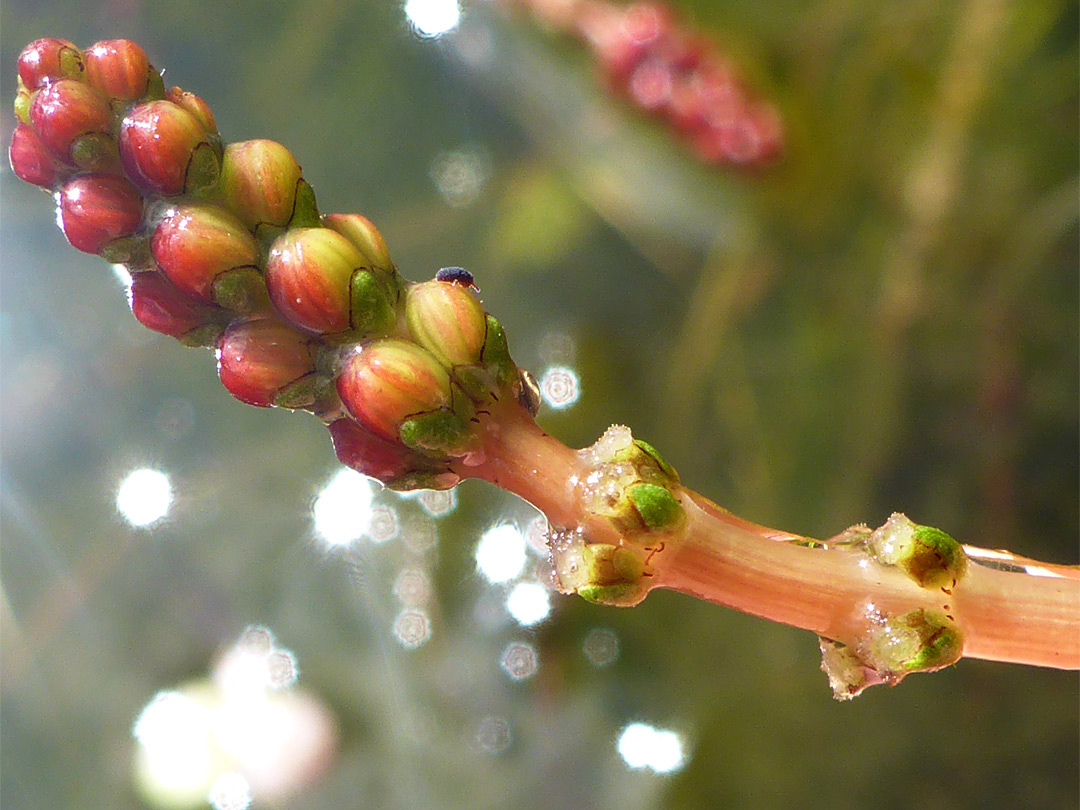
(885, 320)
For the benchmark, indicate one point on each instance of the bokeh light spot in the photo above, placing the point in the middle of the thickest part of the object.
(412, 587)
(459, 176)
(500, 554)
(144, 497)
(519, 660)
(433, 18)
(601, 646)
(643, 746)
(230, 791)
(383, 525)
(412, 628)
(492, 735)
(529, 603)
(174, 736)
(438, 502)
(342, 509)
(559, 387)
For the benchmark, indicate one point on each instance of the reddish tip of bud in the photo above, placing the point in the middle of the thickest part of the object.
(308, 274)
(194, 244)
(372, 455)
(258, 359)
(47, 60)
(33, 161)
(158, 305)
(97, 208)
(165, 149)
(194, 105)
(388, 382)
(67, 109)
(259, 179)
(118, 68)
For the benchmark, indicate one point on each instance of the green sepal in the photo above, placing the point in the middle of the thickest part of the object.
(657, 507)
(202, 336)
(155, 86)
(441, 431)
(203, 171)
(305, 209)
(650, 465)
(298, 394)
(241, 289)
(371, 304)
(134, 250)
(424, 479)
(22, 105)
(95, 151)
(496, 354)
(626, 594)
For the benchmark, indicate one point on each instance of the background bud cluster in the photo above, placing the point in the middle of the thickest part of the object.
(227, 249)
(674, 73)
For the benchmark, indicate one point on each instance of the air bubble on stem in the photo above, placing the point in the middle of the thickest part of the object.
(568, 558)
(615, 439)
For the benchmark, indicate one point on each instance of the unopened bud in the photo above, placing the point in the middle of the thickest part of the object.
(392, 382)
(391, 463)
(266, 362)
(206, 252)
(166, 150)
(262, 185)
(448, 320)
(158, 305)
(318, 280)
(118, 68)
(612, 575)
(96, 209)
(927, 555)
(66, 111)
(48, 60)
(33, 161)
(194, 105)
(359, 230)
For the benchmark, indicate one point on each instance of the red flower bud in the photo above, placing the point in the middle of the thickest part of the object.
(309, 275)
(165, 150)
(47, 60)
(158, 305)
(118, 68)
(66, 110)
(359, 230)
(195, 244)
(388, 462)
(98, 208)
(259, 179)
(33, 161)
(267, 362)
(194, 105)
(446, 318)
(390, 380)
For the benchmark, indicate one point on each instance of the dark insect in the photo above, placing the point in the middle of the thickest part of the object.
(456, 275)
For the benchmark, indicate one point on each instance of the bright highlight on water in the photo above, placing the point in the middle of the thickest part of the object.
(144, 497)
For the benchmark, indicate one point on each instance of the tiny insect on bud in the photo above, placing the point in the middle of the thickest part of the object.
(67, 110)
(447, 319)
(33, 161)
(390, 381)
(195, 245)
(118, 68)
(165, 150)
(158, 305)
(266, 362)
(47, 60)
(95, 209)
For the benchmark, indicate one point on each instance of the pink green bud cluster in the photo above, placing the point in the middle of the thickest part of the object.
(227, 249)
(673, 73)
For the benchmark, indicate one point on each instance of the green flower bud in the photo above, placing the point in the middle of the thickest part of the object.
(612, 575)
(658, 509)
(262, 185)
(447, 320)
(917, 641)
(927, 555)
